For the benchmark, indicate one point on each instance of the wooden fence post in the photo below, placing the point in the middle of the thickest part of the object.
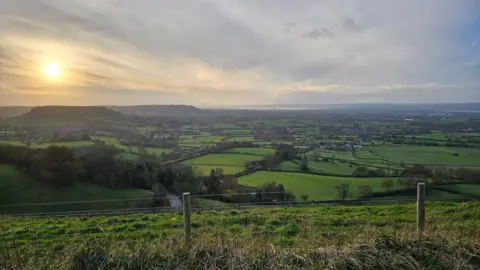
(421, 207)
(187, 226)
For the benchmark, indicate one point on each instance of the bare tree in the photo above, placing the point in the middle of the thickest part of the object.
(365, 191)
(343, 190)
(387, 184)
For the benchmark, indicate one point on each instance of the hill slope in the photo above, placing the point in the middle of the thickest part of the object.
(16, 187)
(12, 111)
(70, 115)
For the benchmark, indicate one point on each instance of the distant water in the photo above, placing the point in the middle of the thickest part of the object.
(267, 108)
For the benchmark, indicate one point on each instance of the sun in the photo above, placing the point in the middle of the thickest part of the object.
(52, 70)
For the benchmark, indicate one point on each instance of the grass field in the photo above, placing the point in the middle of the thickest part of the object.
(331, 167)
(242, 139)
(317, 187)
(465, 188)
(13, 143)
(331, 154)
(230, 163)
(18, 188)
(428, 154)
(201, 139)
(133, 149)
(320, 167)
(253, 151)
(74, 144)
(361, 237)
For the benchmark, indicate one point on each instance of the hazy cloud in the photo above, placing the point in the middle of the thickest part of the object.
(237, 52)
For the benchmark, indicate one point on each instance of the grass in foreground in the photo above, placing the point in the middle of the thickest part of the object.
(339, 237)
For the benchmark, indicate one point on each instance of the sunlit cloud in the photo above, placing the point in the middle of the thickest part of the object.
(235, 52)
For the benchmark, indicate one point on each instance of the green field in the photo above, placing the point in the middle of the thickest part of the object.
(346, 155)
(317, 187)
(201, 139)
(253, 151)
(132, 148)
(428, 154)
(18, 188)
(241, 139)
(260, 238)
(74, 144)
(13, 143)
(465, 188)
(230, 163)
(331, 167)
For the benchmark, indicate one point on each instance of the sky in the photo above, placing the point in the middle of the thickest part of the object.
(231, 53)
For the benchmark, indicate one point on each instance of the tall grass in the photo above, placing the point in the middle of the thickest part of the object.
(367, 249)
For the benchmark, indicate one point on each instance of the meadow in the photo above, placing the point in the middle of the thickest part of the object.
(230, 163)
(73, 144)
(318, 237)
(428, 154)
(13, 143)
(253, 151)
(18, 190)
(317, 187)
(132, 148)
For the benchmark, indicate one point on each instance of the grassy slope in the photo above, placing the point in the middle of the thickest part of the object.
(317, 187)
(322, 237)
(18, 188)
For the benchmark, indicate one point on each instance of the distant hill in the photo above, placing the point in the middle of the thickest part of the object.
(159, 110)
(71, 112)
(429, 107)
(12, 111)
(67, 115)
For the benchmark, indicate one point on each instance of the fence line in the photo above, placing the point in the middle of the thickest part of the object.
(286, 203)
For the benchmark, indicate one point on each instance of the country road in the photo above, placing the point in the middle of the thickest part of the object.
(175, 202)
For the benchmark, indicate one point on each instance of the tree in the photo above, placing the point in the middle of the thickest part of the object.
(365, 191)
(361, 171)
(387, 184)
(380, 172)
(343, 190)
(304, 197)
(304, 165)
(440, 175)
(406, 182)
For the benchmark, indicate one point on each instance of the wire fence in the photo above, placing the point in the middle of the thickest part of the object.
(203, 219)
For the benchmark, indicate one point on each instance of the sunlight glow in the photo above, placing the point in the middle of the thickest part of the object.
(52, 70)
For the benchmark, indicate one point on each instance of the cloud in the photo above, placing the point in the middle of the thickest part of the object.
(234, 52)
(430, 85)
(317, 33)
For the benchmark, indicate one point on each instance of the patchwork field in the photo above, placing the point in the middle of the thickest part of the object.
(317, 187)
(253, 151)
(74, 144)
(230, 163)
(428, 154)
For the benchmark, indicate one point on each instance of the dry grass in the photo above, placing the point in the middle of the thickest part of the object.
(369, 248)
